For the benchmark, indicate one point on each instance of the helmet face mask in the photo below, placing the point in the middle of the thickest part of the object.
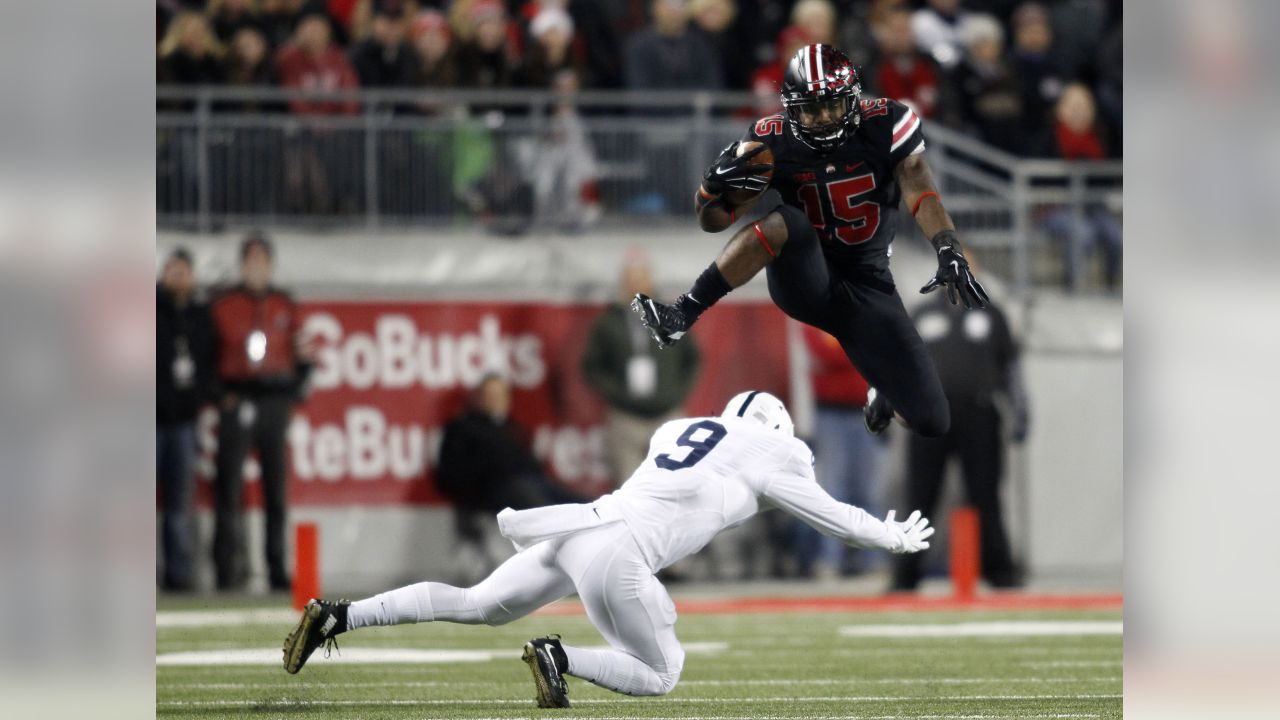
(821, 92)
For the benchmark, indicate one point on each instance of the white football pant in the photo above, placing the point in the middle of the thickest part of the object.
(624, 601)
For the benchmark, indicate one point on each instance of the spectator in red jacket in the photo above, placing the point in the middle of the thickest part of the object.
(262, 367)
(311, 61)
(848, 458)
(1076, 135)
(319, 175)
(766, 81)
(902, 72)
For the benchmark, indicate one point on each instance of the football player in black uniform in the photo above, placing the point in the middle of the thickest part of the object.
(841, 164)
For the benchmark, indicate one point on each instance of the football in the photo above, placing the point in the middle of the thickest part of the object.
(744, 197)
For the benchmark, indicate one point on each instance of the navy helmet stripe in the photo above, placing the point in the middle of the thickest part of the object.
(742, 411)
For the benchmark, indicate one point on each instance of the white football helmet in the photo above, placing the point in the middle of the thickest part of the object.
(762, 408)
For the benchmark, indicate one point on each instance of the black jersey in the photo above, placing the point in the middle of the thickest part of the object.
(849, 194)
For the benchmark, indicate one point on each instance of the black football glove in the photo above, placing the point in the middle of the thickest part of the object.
(954, 274)
(731, 171)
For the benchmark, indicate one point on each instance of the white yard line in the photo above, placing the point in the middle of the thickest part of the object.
(374, 655)
(829, 717)
(1020, 628)
(684, 683)
(1072, 663)
(598, 701)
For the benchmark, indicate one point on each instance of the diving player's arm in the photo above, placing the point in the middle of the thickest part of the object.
(793, 489)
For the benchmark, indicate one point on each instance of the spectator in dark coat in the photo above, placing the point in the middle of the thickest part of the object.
(668, 54)
(550, 49)
(990, 95)
(190, 53)
(484, 60)
(486, 465)
(434, 50)
(1039, 72)
(384, 59)
(485, 461)
(184, 382)
(714, 19)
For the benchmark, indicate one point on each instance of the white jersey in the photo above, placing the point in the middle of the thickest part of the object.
(703, 475)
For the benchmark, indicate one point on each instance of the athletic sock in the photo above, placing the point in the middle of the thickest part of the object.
(706, 291)
(401, 606)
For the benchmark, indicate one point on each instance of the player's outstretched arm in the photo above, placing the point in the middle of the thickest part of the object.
(794, 490)
(921, 195)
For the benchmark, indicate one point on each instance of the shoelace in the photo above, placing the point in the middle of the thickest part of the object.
(330, 645)
(331, 642)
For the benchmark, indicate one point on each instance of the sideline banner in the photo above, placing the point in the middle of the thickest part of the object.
(389, 375)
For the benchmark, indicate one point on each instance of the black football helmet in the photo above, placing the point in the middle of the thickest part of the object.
(821, 92)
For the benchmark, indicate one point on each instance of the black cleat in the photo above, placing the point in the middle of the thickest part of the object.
(878, 413)
(321, 621)
(666, 323)
(548, 663)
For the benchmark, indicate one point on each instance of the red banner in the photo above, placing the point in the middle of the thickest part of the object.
(390, 375)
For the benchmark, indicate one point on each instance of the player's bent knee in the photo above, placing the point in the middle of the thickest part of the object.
(667, 681)
(936, 422)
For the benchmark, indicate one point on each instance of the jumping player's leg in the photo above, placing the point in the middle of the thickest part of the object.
(634, 613)
(800, 280)
(516, 588)
(867, 317)
(877, 334)
(748, 252)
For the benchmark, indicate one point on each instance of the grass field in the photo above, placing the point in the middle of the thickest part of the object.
(780, 665)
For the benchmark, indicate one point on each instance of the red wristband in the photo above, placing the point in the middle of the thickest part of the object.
(916, 208)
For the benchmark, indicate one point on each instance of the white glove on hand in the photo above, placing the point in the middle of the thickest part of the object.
(909, 536)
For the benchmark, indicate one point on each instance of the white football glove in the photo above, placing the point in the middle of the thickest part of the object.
(909, 536)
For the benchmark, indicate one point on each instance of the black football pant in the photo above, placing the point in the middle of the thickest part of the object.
(238, 429)
(864, 312)
(974, 438)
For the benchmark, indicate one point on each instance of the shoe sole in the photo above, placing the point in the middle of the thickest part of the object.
(546, 699)
(650, 323)
(296, 642)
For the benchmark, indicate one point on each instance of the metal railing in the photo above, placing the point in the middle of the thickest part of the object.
(513, 161)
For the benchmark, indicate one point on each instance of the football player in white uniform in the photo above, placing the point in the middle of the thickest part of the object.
(701, 475)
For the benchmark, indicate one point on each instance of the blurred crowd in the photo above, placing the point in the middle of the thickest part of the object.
(1039, 79)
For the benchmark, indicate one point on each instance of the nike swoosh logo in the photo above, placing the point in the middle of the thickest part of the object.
(721, 172)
